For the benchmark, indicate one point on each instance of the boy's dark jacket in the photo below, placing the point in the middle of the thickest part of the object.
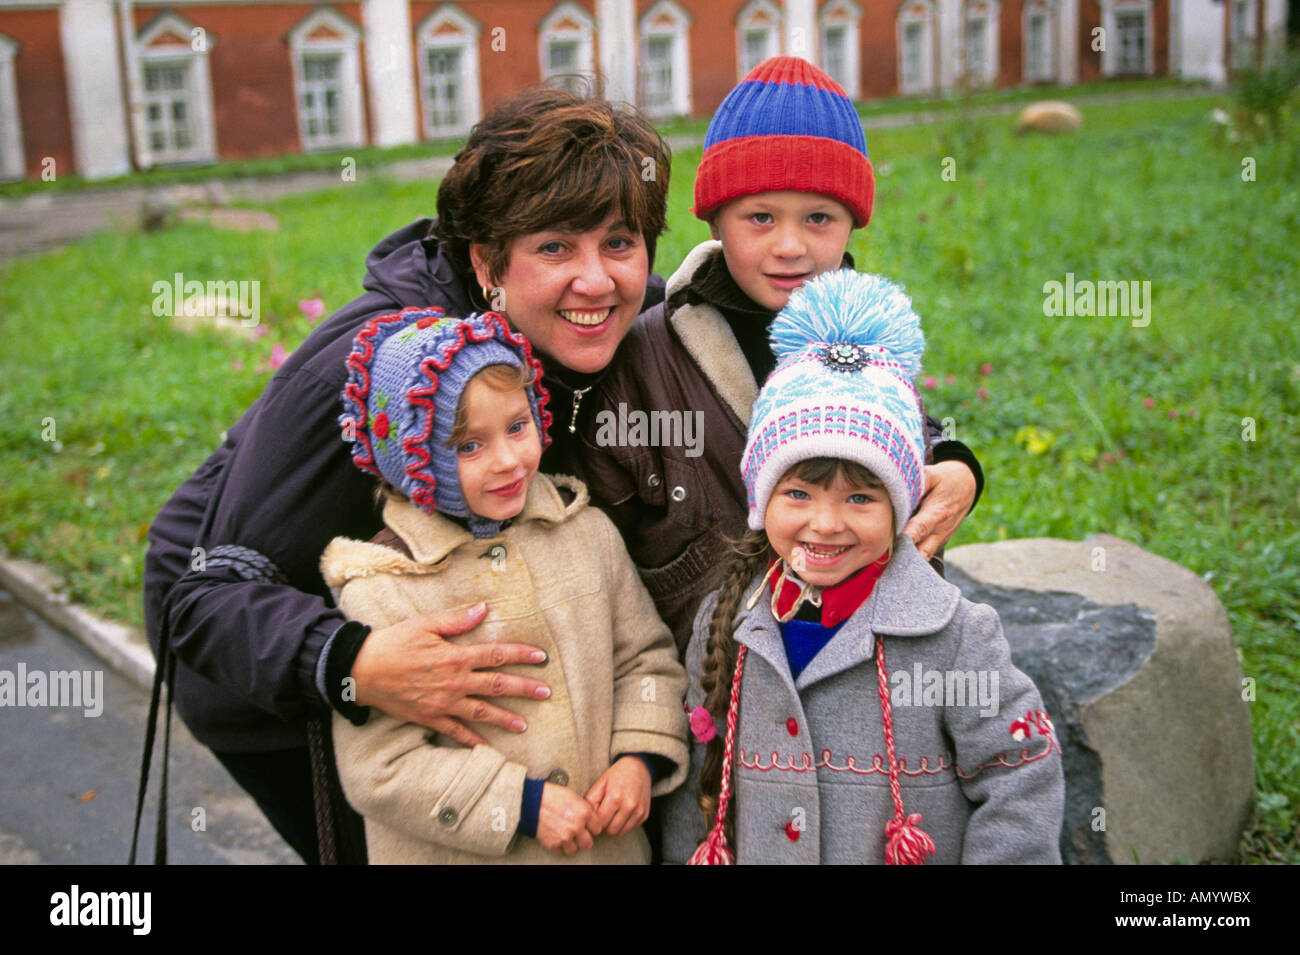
(233, 564)
(677, 505)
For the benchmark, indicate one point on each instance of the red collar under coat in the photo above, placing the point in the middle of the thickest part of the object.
(838, 602)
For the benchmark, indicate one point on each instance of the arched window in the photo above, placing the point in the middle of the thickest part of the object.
(1241, 27)
(1130, 35)
(838, 30)
(1038, 58)
(176, 89)
(11, 127)
(980, 42)
(566, 47)
(664, 77)
(450, 99)
(916, 66)
(327, 80)
(758, 28)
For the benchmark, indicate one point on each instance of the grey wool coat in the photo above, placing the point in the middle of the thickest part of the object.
(811, 775)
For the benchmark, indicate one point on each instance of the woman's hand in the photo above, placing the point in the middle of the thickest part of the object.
(621, 796)
(949, 494)
(411, 673)
(566, 824)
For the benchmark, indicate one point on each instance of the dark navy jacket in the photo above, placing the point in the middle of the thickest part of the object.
(283, 485)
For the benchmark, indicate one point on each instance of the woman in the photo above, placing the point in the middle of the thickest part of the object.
(549, 215)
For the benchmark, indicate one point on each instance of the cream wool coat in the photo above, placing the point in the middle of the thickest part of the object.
(560, 579)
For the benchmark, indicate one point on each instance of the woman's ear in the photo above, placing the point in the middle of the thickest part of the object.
(477, 251)
(713, 228)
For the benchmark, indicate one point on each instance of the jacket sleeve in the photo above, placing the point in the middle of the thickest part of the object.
(252, 615)
(649, 682)
(464, 799)
(945, 449)
(684, 824)
(1017, 786)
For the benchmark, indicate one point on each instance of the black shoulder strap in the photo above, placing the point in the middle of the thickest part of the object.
(164, 672)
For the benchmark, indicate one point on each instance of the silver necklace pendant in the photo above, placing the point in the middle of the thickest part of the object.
(577, 400)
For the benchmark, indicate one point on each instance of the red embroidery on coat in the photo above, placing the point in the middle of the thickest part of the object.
(1034, 719)
(803, 763)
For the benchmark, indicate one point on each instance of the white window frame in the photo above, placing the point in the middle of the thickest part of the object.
(1110, 56)
(550, 30)
(679, 96)
(12, 164)
(1047, 10)
(991, 14)
(347, 47)
(204, 145)
(922, 12)
(745, 22)
(847, 14)
(466, 39)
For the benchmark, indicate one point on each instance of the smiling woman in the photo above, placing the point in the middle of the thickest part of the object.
(573, 293)
(549, 216)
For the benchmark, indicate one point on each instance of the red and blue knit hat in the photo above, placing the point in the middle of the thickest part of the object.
(787, 127)
(406, 373)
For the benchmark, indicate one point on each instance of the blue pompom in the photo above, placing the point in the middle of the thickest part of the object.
(851, 308)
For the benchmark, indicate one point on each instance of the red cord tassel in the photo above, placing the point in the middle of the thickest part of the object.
(713, 851)
(906, 843)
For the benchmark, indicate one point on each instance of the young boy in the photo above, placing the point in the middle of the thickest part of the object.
(452, 416)
(784, 180)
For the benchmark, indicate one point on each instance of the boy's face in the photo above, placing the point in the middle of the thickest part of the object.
(499, 455)
(827, 534)
(775, 241)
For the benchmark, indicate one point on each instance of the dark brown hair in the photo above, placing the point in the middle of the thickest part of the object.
(547, 157)
(499, 377)
(750, 556)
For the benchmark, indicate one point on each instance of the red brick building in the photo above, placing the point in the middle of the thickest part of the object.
(99, 87)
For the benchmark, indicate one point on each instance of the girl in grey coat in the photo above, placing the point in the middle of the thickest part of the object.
(848, 704)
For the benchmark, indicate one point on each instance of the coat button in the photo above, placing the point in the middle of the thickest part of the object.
(559, 777)
(679, 493)
(654, 480)
(792, 726)
(448, 816)
(792, 831)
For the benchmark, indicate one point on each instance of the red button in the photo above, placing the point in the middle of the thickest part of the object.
(792, 831)
(792, 726)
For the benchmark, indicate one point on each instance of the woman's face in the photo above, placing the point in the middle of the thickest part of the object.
(573, 294)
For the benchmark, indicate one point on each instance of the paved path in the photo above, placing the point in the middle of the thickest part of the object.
(46, 220)
(68, 780)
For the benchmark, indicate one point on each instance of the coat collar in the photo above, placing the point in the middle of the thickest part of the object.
(431, 537)
(910, 600)
(709, 340)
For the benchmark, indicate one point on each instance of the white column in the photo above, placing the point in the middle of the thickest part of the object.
(1067, 41)
(91, 66)
(619, 49)
(801, 29)
(1201, 42)
(389, 72)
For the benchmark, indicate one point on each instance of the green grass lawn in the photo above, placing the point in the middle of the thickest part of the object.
(1083, 425)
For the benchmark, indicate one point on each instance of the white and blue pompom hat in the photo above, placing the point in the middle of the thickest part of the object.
(848, 346)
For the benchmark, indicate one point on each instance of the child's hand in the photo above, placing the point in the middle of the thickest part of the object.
(565, 823)
(621, 796)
